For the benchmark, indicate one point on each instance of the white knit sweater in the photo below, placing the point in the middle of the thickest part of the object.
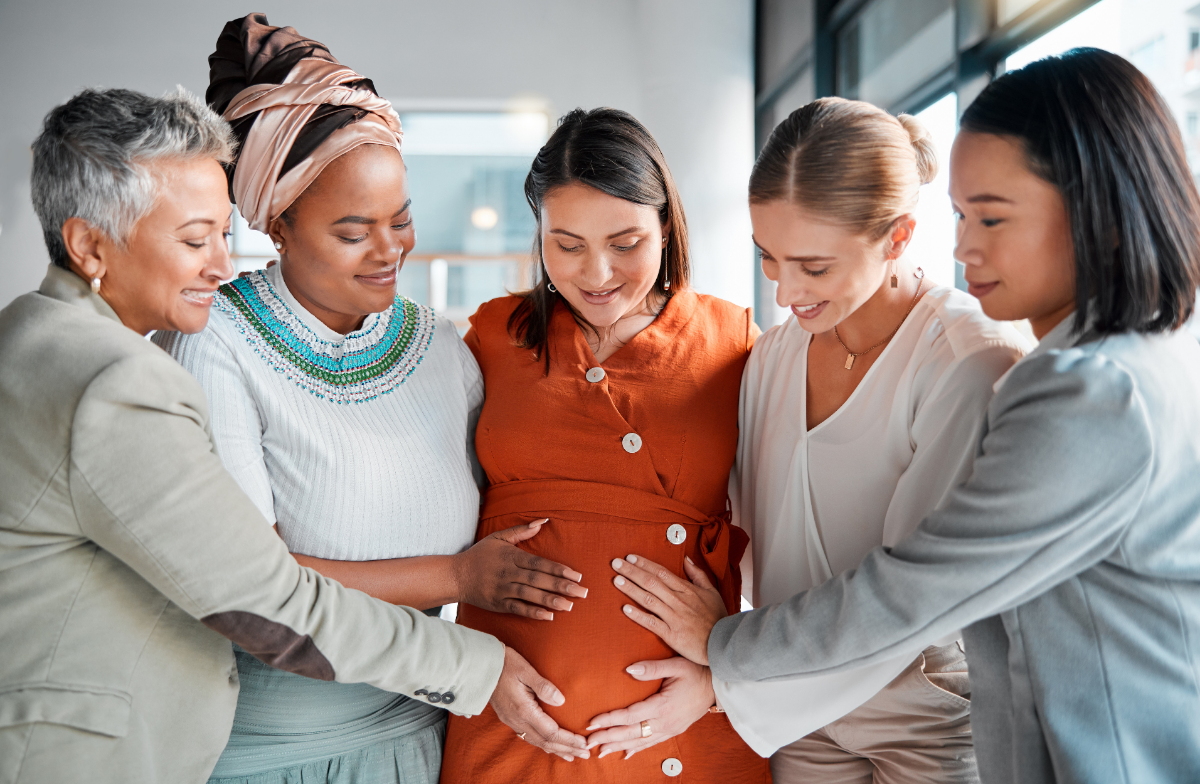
(360, 446)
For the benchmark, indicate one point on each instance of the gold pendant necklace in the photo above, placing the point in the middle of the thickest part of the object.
(919, 274)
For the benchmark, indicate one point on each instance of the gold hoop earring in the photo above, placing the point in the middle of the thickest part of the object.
(550, 286)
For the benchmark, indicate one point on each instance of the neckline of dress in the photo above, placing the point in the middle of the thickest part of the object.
(674, 314)
(904, 325)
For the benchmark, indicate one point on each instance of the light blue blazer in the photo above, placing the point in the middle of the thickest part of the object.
(1071, 559)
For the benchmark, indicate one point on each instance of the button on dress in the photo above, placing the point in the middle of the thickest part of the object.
(558, 445)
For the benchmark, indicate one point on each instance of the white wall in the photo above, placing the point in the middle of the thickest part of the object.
(684, 67)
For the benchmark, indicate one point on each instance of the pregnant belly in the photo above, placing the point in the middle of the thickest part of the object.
(584, 652)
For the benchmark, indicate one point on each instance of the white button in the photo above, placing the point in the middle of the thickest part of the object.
(672, 767)
(595, 374)
(632, 442)
(676, 534)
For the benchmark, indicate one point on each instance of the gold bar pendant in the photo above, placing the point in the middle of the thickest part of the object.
(849, 361)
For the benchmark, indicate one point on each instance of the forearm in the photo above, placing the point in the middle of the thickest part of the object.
(421, 582)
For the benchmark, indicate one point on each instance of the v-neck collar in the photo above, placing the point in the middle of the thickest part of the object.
(569, 339)
(883, 355)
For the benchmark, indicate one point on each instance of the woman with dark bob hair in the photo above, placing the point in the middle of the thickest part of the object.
(610, 408)
(1071, 555)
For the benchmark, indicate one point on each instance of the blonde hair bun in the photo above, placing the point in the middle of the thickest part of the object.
(922, 142)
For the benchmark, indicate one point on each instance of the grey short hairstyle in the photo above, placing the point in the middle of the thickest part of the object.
(94, 158)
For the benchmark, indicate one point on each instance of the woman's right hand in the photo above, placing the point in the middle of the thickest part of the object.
(515, 701)
(497, 575)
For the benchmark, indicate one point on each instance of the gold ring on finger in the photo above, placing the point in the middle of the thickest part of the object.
(646, 731)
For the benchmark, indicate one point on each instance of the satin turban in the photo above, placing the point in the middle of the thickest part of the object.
(294, 108)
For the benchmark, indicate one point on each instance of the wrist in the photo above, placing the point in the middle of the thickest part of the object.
(458, 575)
(714, 705)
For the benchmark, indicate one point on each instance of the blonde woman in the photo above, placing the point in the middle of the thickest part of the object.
(857, 417)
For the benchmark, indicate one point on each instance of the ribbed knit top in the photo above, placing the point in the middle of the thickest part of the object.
(359, 446)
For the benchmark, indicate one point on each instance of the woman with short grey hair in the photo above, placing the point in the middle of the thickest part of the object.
(129, 558)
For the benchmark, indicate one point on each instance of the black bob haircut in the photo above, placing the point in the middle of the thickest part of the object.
(1093, 126)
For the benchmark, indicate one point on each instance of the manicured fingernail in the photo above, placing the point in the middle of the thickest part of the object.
(619, 581)
(557, 698)
(563, 604)
(628, 610)
(617, 563)
(603, 753)
(689, 560)
(545, 616)
(631, 558)
(589, 729)
(585, 754)
(629, 754)
(571, 574)
(635, 669)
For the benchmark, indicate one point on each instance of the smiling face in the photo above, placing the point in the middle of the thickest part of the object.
(1014, 235)
(824, 271)
(177, 255)
(601, 252)
(347, 236)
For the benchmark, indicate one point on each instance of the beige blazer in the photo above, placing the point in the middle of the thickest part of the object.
(129, 559)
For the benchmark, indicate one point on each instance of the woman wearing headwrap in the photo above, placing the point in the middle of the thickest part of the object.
(345, 412)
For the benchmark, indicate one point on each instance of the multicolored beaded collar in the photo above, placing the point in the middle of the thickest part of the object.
(360, 367)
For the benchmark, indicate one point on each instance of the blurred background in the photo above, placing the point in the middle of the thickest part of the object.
(479, 85)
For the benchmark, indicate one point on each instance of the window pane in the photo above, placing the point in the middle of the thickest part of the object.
(893, 47)
(932, 246)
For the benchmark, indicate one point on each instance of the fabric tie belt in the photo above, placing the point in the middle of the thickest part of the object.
(720, 544)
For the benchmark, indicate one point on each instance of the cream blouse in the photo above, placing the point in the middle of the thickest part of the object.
(816, 501)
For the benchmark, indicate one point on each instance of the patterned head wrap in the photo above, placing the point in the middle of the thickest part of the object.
(294, 108)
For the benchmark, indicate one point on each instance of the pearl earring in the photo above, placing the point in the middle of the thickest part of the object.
(95, 285)
(278, 246)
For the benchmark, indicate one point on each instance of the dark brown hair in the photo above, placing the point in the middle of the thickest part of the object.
(606, 149)
(848, 161)
(1093, 126)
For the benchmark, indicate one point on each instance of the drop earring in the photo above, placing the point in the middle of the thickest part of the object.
(895, 277)
(95, 285)
(666, 278)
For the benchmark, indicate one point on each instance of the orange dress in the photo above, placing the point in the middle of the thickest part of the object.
(622, 459)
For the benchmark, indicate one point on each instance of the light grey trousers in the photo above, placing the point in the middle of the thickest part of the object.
(917, 729)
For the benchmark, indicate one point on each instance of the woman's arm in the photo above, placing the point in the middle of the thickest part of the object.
(494, 575)
(1061, 472)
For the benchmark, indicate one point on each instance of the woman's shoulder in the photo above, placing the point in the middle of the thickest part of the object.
(497, 311)
(959, 322)
(489, 323)
(725, 318)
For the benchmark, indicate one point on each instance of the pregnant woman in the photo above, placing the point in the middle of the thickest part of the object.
(612, 409)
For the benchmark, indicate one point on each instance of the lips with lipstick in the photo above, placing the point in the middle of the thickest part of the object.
(981, 290)
(810, 311)
(385, 277)
(600, 297)
(201, 297)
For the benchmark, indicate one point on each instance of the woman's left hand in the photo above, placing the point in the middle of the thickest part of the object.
(685, 696)
(681, 613)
